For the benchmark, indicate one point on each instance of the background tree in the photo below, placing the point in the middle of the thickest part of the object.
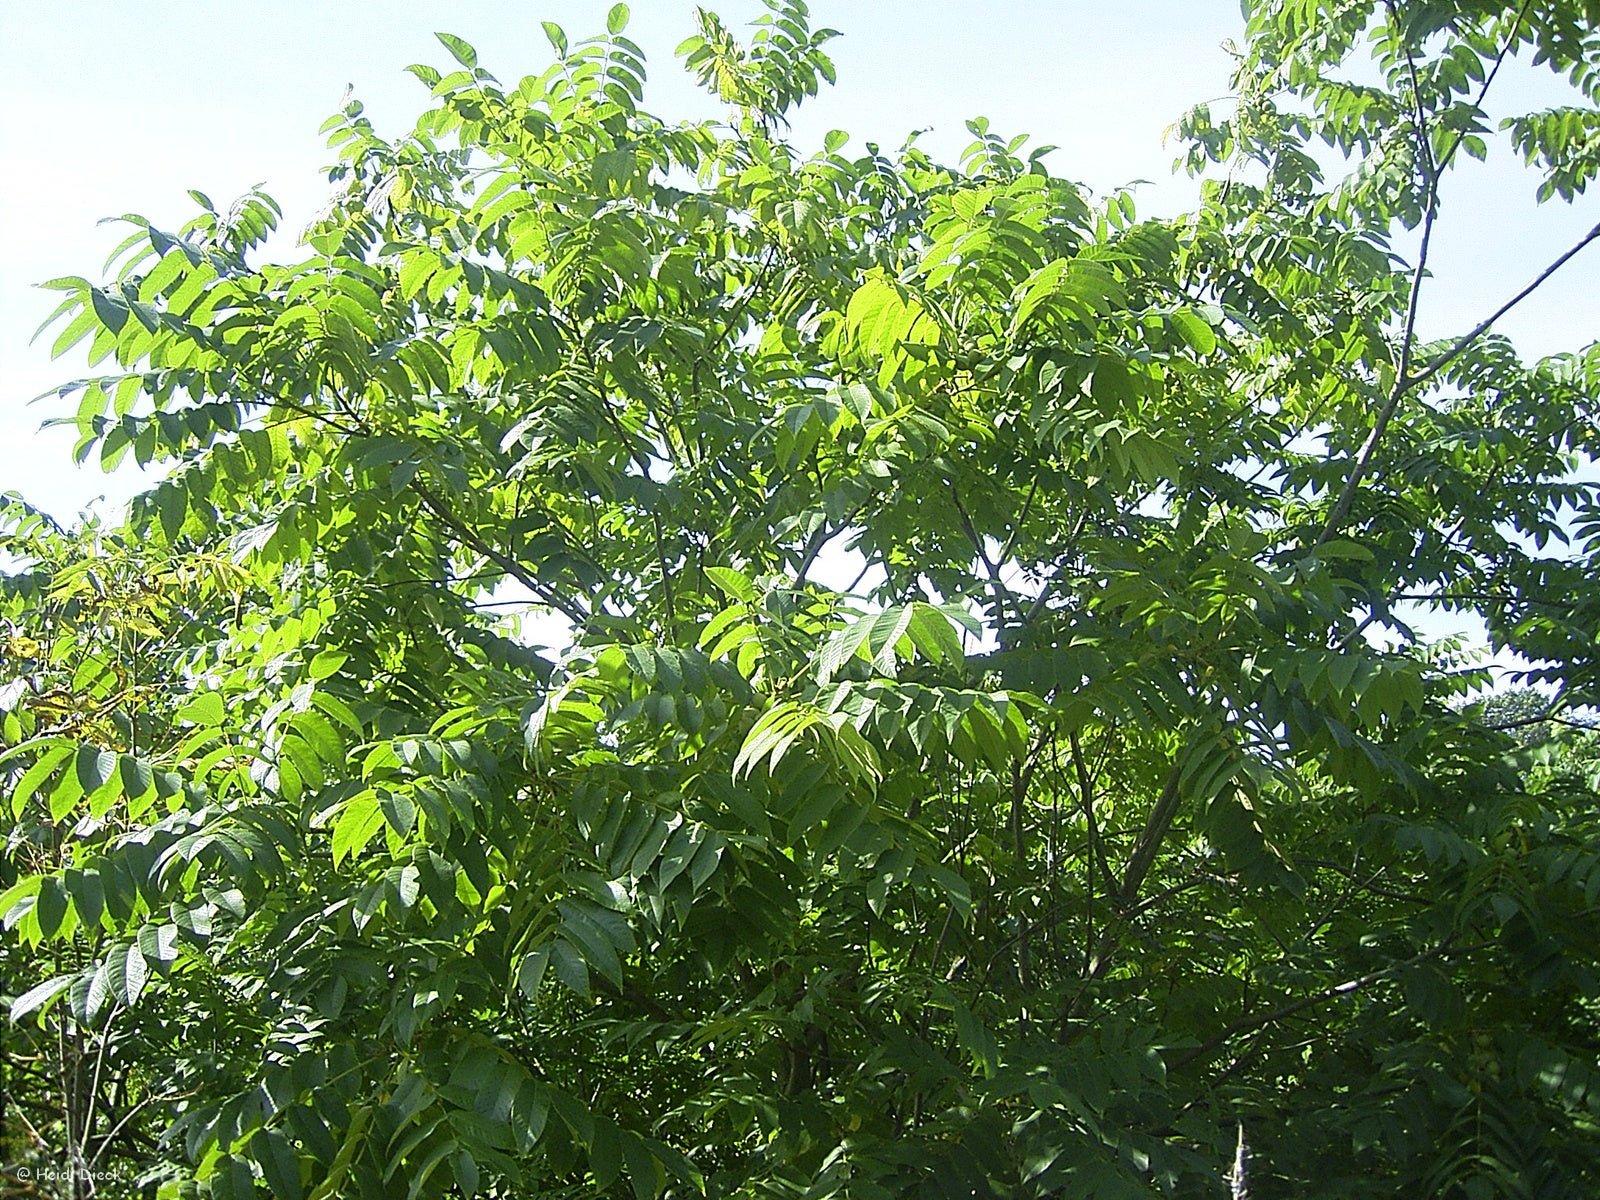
(1085, 828)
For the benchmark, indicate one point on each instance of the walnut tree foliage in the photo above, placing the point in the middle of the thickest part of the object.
(1094, 823)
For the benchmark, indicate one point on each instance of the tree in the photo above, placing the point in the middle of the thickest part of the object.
(1084, 840)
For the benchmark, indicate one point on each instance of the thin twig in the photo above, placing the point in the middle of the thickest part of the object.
(1483, 92)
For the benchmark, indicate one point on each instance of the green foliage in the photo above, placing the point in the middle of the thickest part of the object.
(1084, 829)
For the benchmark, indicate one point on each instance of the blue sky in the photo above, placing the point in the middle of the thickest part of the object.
(108, 107)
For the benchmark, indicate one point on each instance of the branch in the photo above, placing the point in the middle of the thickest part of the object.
(823, 536)
(1247, 1024)
(1043, 598)
(1155, 830)
(737, 311)
(1511, 40)
(1482, 326)
(666, 577)
(1022, 518)
(1340, 511)
(1086, 793)
(303, 413)
(110, 1137)
(1374, 615)
(500, 559)
(997, 585)
(1406, 382)
(1420, 115)
(1545, 719)
(1341, 508)
(1352, 883)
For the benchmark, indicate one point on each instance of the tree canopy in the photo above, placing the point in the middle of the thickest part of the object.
(1111, 828)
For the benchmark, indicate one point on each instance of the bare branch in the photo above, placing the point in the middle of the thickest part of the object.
(1482, 327)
